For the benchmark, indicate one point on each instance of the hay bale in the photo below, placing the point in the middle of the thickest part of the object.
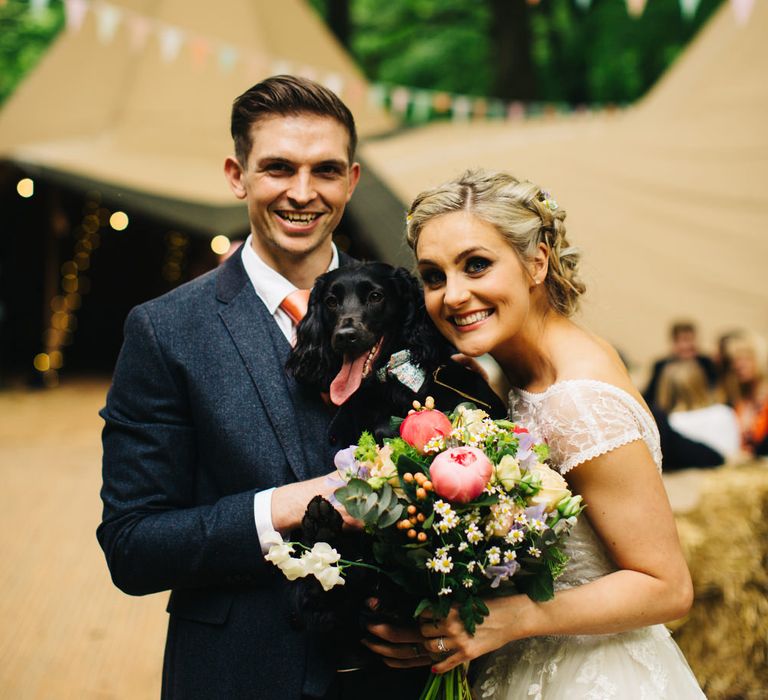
(725, 540)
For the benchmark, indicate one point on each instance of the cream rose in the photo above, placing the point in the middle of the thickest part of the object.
(508, 472)
(553, 487)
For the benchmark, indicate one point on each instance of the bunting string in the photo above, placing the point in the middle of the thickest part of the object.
(413, 105)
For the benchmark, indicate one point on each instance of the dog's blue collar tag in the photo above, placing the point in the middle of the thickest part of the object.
(401, 368)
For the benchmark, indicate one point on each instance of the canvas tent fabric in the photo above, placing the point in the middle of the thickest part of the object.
(668, 201)
(153, 133)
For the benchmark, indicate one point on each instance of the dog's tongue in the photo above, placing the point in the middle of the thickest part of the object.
(348, 379)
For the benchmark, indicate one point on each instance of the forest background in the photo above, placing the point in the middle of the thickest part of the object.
(572, 52)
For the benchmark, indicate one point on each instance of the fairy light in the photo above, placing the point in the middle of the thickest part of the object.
(42, 362)
(25, 187)
(118, 221)
(220, 245)
(175, 256)
(73, 285)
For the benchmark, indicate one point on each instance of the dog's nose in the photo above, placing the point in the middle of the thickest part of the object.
(347, 337)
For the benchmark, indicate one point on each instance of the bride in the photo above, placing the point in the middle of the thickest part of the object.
(500, 277)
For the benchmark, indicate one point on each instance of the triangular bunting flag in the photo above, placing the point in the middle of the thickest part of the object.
(401, 96)
(635, 7)
(107, 20)
(37, 7)
(335, 83)
(742, 9)
(462, 108)
(282, 67)
(688, 8)
(199, 48)
(583, 4)
(227, 56)
(138, 28)
(171, 39)
(75, 11)
(377, 95)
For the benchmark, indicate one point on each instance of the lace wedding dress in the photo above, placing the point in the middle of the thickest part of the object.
(581, 419)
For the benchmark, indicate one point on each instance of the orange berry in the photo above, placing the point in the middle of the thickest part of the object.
(412, 521)
(421, 493)
(427, 485)
(412, 509)
(420, 517)
(412, 533)
(420, 478)
(422, 537)
(408, 477)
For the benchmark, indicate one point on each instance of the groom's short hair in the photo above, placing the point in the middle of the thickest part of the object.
(286, 95)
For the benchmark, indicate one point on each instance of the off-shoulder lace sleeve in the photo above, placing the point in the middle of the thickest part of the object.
(583, 419)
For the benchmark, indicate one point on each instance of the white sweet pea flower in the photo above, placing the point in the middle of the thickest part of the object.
(279, 553)
(330, 577)
(293, 568)
(321, 556)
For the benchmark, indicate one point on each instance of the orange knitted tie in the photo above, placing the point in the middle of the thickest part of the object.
(295, 304)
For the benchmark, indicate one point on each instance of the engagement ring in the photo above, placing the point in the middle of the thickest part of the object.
(441, 645)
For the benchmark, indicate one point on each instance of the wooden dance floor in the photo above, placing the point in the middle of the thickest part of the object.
(65, 630)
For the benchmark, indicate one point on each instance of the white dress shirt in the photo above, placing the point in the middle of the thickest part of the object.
(272, 288)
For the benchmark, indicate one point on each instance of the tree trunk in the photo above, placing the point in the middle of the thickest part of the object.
(510, 34)
(338, 20)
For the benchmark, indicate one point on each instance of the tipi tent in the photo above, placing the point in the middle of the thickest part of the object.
(668, 201)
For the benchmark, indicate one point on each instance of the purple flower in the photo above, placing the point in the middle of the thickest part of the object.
(535, 512)
(345, 459)
(500, 573)
(525, 454)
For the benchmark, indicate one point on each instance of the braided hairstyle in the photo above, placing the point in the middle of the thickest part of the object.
(522, 212)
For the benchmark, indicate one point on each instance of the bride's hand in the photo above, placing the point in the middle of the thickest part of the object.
(449, 641)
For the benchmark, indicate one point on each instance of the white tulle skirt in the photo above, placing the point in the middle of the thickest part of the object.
(643, 664)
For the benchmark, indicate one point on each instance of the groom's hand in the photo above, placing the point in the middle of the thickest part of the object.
(398, 647)
(289, 502)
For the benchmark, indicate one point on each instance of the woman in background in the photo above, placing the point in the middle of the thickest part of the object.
(746, 388)
(687, 403)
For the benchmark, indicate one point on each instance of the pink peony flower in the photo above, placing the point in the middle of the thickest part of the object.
(460, 474)
(421, 426)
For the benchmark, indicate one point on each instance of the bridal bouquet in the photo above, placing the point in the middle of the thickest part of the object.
(460, 507)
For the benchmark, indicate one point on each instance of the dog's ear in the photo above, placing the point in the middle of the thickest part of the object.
(428, 348)
(310, 359)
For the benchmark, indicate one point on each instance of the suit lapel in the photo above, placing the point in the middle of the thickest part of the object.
(263, 350)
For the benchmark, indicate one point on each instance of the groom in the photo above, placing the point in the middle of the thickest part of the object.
(209, 447)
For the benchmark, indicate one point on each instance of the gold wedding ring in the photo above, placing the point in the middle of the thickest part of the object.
(441, 645)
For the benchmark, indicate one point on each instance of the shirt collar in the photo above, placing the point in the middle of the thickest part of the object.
(269, 284)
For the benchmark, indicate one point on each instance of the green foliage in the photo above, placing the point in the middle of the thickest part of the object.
(24, 37)
(434, 44)
(366, 448)
(377, 509)
(601, 55)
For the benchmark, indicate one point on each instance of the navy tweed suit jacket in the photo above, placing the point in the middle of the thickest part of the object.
(200, 416)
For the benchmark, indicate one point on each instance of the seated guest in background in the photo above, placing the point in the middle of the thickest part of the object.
(684, 347)
(746, 388)
(684, 395)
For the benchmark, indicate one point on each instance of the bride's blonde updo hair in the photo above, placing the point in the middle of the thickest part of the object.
(523, 213)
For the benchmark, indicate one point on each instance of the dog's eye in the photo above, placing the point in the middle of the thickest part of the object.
(331, 302)
(375, 297)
